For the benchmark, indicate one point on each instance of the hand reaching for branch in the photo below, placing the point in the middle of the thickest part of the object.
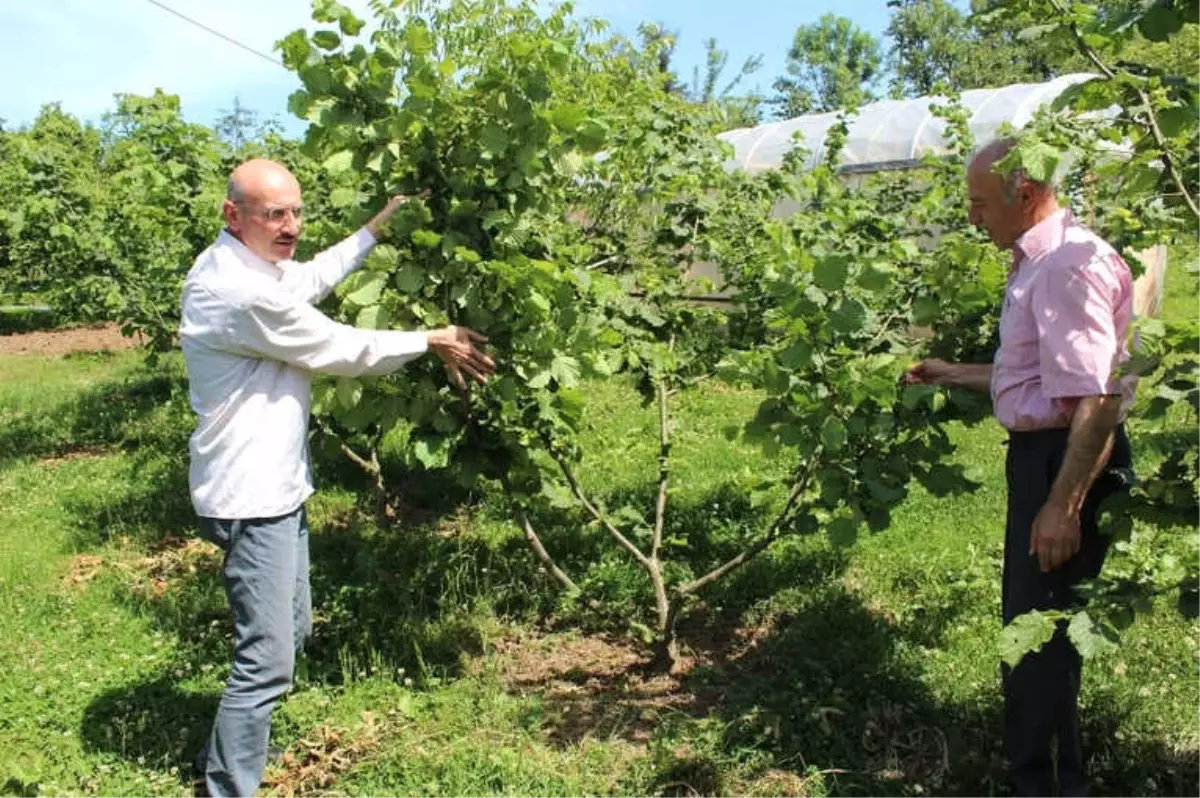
(931, 371)
(380, 219)
(456, 348)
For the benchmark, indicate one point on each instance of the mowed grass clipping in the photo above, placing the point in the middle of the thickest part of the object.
(445, 663)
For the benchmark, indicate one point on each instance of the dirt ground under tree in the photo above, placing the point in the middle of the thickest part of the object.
(56, 343)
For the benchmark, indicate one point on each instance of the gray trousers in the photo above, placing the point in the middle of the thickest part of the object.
(266, 580)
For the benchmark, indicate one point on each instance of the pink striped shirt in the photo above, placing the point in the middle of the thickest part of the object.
(1063, 327)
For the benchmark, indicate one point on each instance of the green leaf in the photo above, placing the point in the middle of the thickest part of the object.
(349, 23)
(830, 272)
(1177, 122)
(833, 434)
(833, 486)
(327, 40)
(914, 395)
(875, 277)
(327, 10)
(1160, 23)
(299, 103)
(797, 356)
(343, 197)
(1090, 638)
(426, 239)
(375, 317)
(849, 317)
(558, 494)
(842, 531)
(565, 371)
(295, 49)
(382, 258)
(926, 310)
(410, 278)
(494, 140)
(1140, 180)
(339, 163)
(776, 380)
(417, 37)
(569, 117)
(1034, 32)
(591, 136)
(369, 292)
(1026, 634)
(431, 451)
(349, 392)
(607, 362)
(1039, 160)
(908, 249)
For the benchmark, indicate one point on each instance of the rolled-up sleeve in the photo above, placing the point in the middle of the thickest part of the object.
(279, 327)
(1077, 339)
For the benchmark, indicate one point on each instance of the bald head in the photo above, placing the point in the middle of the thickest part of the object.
(263, 209)
(1005, 205)
(257, 177)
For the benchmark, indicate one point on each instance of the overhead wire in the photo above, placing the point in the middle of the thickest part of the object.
(217, 33)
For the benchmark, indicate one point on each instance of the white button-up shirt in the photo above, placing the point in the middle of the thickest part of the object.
(251, 339)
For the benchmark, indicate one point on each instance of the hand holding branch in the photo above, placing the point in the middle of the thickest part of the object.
(380, 219)
(456, 346)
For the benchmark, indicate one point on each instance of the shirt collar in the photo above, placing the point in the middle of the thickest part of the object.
(247, 257)
(1042, 237)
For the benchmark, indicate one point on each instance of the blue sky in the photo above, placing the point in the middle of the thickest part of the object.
(82, 52)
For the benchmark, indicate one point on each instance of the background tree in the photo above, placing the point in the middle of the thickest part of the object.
(932, 43)
(937, 42)
(740, 110)
(237, 125)
(658, 45)
(52, 210)
(831, 64)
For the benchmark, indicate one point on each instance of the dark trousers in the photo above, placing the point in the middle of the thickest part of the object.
(1041, 722)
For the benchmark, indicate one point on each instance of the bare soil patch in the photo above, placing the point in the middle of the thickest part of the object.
(598, 687)
(56, 343)
(171, 560)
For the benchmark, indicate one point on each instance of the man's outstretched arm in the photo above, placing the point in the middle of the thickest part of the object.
(932, 371)
(280, 327)
(312, 281)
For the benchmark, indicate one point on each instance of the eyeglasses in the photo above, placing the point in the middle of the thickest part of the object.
(276, 215)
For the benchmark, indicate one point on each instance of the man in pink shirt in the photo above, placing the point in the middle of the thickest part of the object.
(1056, 386)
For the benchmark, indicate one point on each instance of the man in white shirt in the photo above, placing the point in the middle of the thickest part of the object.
(252, 339)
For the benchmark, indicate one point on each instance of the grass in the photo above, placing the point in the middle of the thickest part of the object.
(444, 662)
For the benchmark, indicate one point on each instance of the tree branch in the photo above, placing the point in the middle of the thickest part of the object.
(535, 543)
(625, 543)
(370, 466)
(1156, 133)
(601, 262)
(664, 465)
(693, 381)
(753, 550)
